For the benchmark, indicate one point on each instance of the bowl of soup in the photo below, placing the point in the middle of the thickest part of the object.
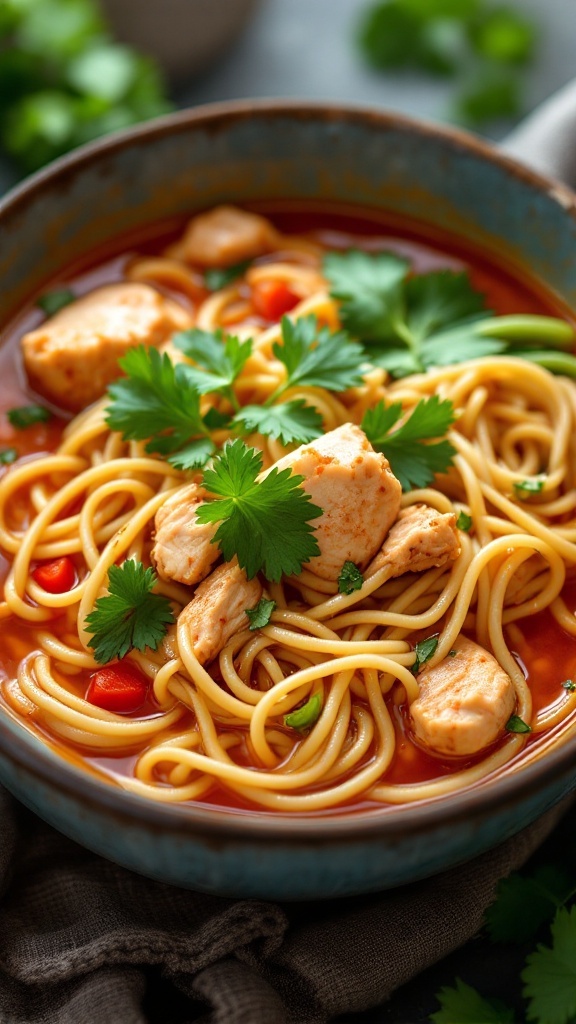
(288, 498)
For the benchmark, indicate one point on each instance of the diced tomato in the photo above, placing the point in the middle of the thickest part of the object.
(55, 577)
(120, 688)
(271, 299)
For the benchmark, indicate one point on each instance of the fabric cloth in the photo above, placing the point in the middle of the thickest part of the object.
(83, 941)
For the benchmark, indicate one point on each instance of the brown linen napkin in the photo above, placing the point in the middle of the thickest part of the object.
(83, 940)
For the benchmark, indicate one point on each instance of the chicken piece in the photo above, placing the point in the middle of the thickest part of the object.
(218, 609)
(421, 538)
(74, 355)
(464, 702)
(357, 491)
(226, 235)
(183, 548)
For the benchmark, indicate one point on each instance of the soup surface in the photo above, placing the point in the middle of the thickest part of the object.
(288, 514)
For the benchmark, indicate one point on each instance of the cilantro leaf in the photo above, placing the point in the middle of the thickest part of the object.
(303, 718)
(424, 650)
(550, 973)
(130, 615)
(293, 421)
(439, 299)
(568, 685)
(371, 290)
(464, 522)
(463, 1004)
(7, 456)
(265, 523)
(517, 724)
(524, 903)
(155, 401)
(222, 358)
(27, 415)
(532, 485)
(217, 278)
(260, 615)
(52, 301)
(317, 358)
(193, 455)
(350, 578)
(413, 460)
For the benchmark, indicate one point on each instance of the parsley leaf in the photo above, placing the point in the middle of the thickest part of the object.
(464, 522)
(51, 302)
(222, 359)
(550, 973)
(217, 278)
(525, 902)
(424, 650)
(350, 578)
(293, 421)
(265, 523)
(317, 358)
(27, 415)
(157, 401)
(260, 615)
(413, 460)
(304, 718)
(130, 615)
(517, 724)
(464, 1004)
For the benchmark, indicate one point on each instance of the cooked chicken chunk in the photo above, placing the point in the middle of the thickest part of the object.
(74, 355)
(183, 548)
(226, 235)
(357, 490)
(464, 701)
(218, 609)
(421, 538)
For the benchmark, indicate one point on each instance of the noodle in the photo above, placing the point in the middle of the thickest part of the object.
(220, 728)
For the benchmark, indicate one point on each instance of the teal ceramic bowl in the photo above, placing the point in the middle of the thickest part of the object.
(244, 152)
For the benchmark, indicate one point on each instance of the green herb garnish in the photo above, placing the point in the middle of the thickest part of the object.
(527, 487)
(130, 615)
(260, 615)
(217, 278)
(265, 523)
(51, 302)
(569, 685)
(350, 578)
(517, 724)
(27, 415)
(413, 459)
(8, 456)
(464, 522)
(424, 650)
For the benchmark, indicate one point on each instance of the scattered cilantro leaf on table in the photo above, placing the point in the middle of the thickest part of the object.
(266, 523)
(462, 1004)
(413, 459)
(550, 973)
(130, 615)
(525, 902)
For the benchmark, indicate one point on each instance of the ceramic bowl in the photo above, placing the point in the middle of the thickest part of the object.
(243, 152)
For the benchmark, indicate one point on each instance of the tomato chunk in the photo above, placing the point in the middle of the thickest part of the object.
(271, 299)
(55, 577)
(120, 688)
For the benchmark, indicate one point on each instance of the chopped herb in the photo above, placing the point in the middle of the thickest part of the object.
(413, 459)
(424, 650)
(215, 279)
(130, 615)
(27, 415)
(569, 685)
(265, 523)
(7, 456)
(155, 401)
(464, 522)
(260, 615)
(305, 717)
(219, 360)
(527, 487)
(51, 302)
(350, 578)
(452, 653)
(517, 724)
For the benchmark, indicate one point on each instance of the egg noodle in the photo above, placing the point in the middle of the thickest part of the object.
(95, 498)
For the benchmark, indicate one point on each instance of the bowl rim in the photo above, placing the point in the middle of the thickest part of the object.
(496, 792)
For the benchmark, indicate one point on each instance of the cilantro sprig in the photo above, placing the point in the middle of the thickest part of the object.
(409, 323)
(413, 456)
(129, 615)
(266, 523)
(218, 360)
